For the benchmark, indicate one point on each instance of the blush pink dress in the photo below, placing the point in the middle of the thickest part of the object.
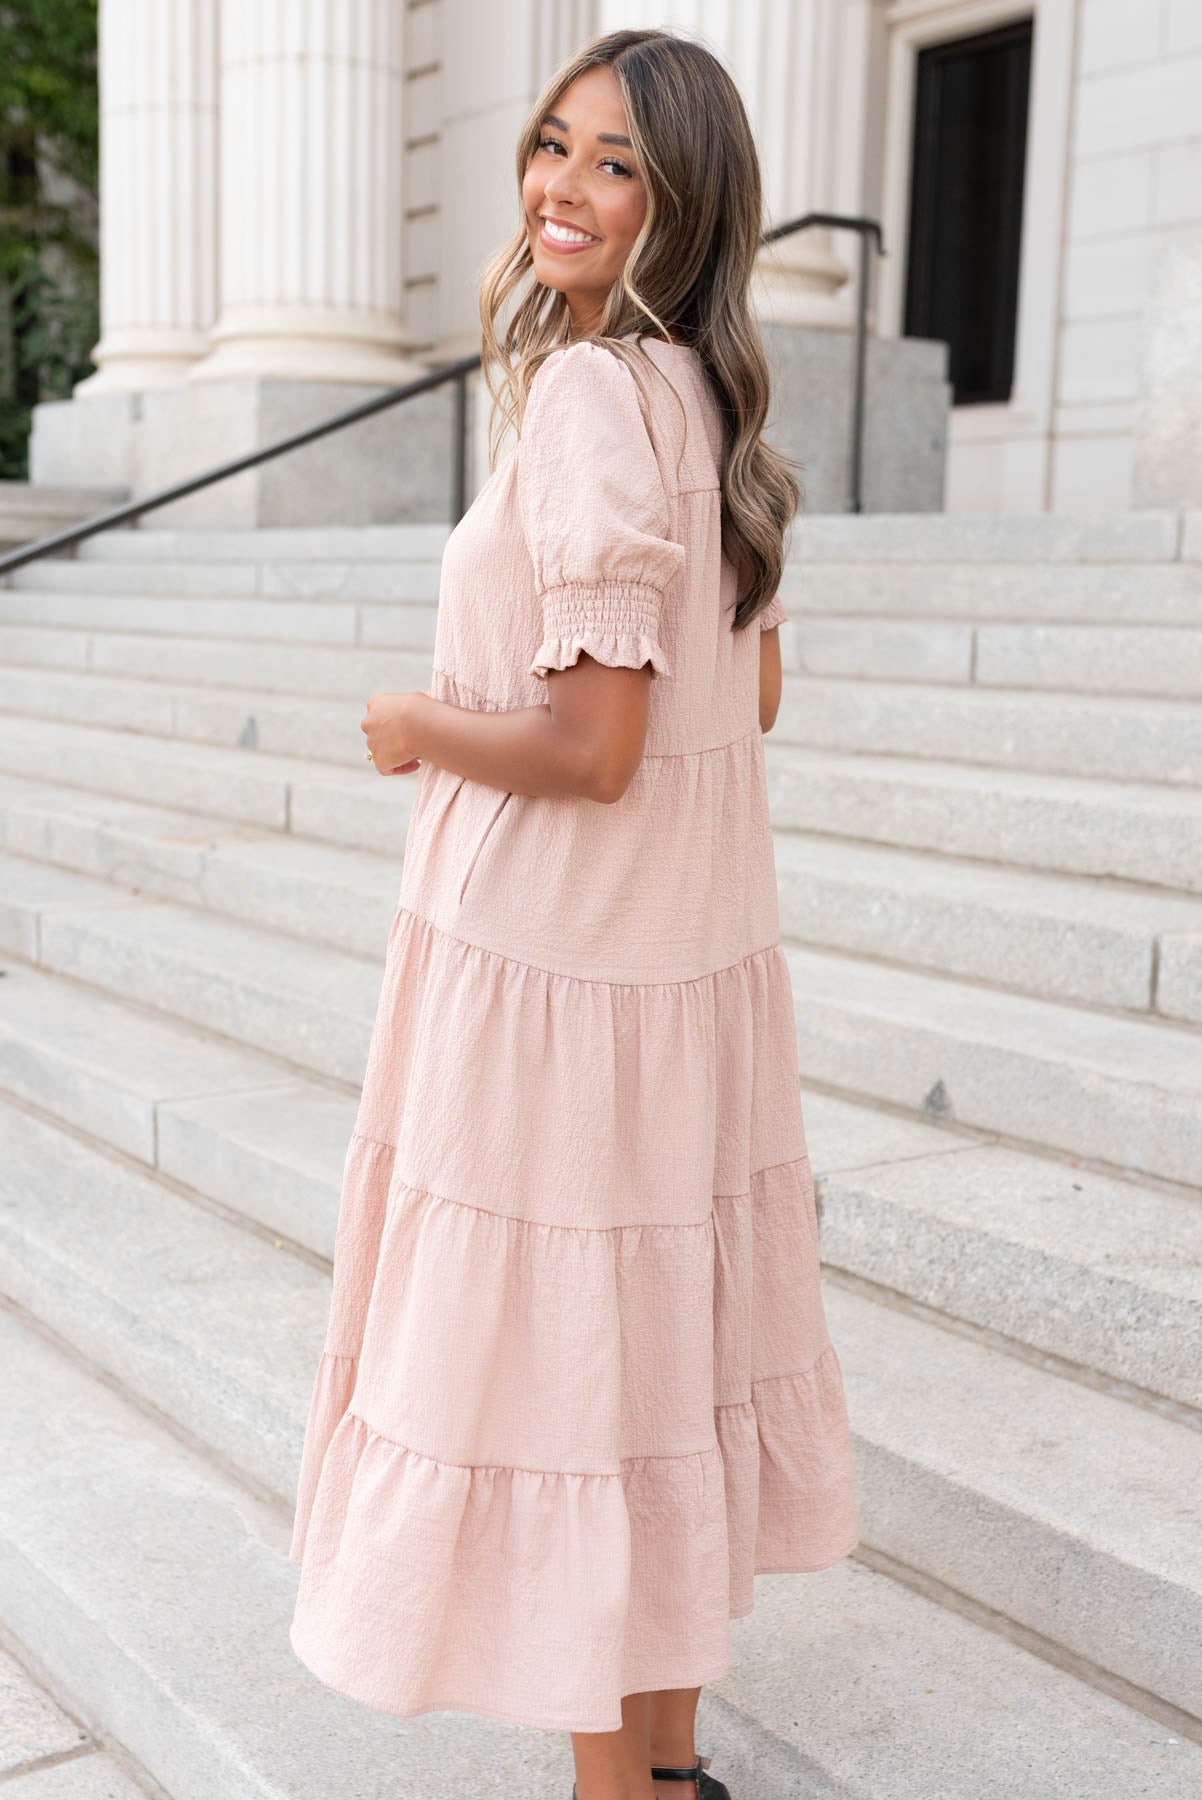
(577, 1386)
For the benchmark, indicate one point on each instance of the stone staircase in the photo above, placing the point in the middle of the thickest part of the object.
(987, 782)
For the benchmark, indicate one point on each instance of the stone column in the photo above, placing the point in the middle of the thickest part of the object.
(158, 221)
(312, 198)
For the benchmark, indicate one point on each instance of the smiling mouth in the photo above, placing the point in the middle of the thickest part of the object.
(557, 237)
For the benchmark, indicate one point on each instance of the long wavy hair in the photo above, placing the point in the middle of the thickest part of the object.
(686, 279)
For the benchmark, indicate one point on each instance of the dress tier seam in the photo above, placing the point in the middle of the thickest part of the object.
(707, 1450)
(592, 980)
(491, 1212)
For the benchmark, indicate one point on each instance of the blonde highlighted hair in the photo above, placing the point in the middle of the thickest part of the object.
(686, 279)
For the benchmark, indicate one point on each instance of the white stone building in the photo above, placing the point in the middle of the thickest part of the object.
(298, 197)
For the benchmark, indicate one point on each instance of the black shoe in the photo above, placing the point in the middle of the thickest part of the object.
(707, 1787)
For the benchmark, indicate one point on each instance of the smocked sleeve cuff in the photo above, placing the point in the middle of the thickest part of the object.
(615, 623)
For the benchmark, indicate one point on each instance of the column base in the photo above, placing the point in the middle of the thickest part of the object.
(307, 343)
(392, 468)
(796, 283)
(130, 361)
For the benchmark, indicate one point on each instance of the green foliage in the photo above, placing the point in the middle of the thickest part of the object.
(49, 271)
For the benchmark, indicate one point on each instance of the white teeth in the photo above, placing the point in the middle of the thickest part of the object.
(564, 236)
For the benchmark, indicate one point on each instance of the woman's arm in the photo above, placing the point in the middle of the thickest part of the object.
(770, 676)
(587, 740)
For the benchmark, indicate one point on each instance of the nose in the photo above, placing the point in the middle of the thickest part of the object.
(561, 185)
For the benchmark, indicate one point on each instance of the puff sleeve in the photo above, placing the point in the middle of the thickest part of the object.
(773, 614)
(595, 514)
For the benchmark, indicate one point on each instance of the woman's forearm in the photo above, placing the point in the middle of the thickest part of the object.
(522, 749)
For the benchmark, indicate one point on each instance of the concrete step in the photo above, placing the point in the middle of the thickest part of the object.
(1119, 1091)
(104, 1608)
(310, 1006)
(239, 1127)
(264, 1141)
(45, 1754)
(1134, 831)
(347, 578)
(1121, 659)
(310, 729)
(905, 1699)
(1069, 1511)
(1101, 1275)
(1058, 936)
(392, 620)
(308, 670)
(323, 893)
(1103, 659)
(1150, 535)
(356, 807)
(1053, 733)
(216, 1327)
(1119, 593)
(267, 544)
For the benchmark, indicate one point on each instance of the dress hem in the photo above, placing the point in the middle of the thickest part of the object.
(502, 1716)
(543, 1723)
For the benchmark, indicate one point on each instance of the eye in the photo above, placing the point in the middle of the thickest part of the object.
(549, 143)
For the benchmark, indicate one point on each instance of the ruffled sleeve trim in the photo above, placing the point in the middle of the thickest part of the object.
(615, 623)
(773, 614)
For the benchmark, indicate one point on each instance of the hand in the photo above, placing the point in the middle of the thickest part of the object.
(387, 725)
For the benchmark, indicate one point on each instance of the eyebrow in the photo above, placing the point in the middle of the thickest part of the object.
(603, 137)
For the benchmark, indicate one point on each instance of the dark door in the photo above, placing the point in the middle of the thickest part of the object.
(966, 204)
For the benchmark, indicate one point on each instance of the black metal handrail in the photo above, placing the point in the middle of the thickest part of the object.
(458, 372)
(866, 228)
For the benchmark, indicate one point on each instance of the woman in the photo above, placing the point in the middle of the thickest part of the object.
(577, 1386)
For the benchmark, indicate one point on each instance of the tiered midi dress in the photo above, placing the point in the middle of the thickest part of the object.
(577, 1386)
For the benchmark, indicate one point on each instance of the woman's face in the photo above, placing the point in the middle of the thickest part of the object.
(583, 176)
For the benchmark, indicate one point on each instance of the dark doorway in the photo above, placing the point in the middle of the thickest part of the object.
(966, 204)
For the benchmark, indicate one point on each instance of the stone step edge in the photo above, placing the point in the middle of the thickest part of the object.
(1090, 1674)
(897, 1300)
